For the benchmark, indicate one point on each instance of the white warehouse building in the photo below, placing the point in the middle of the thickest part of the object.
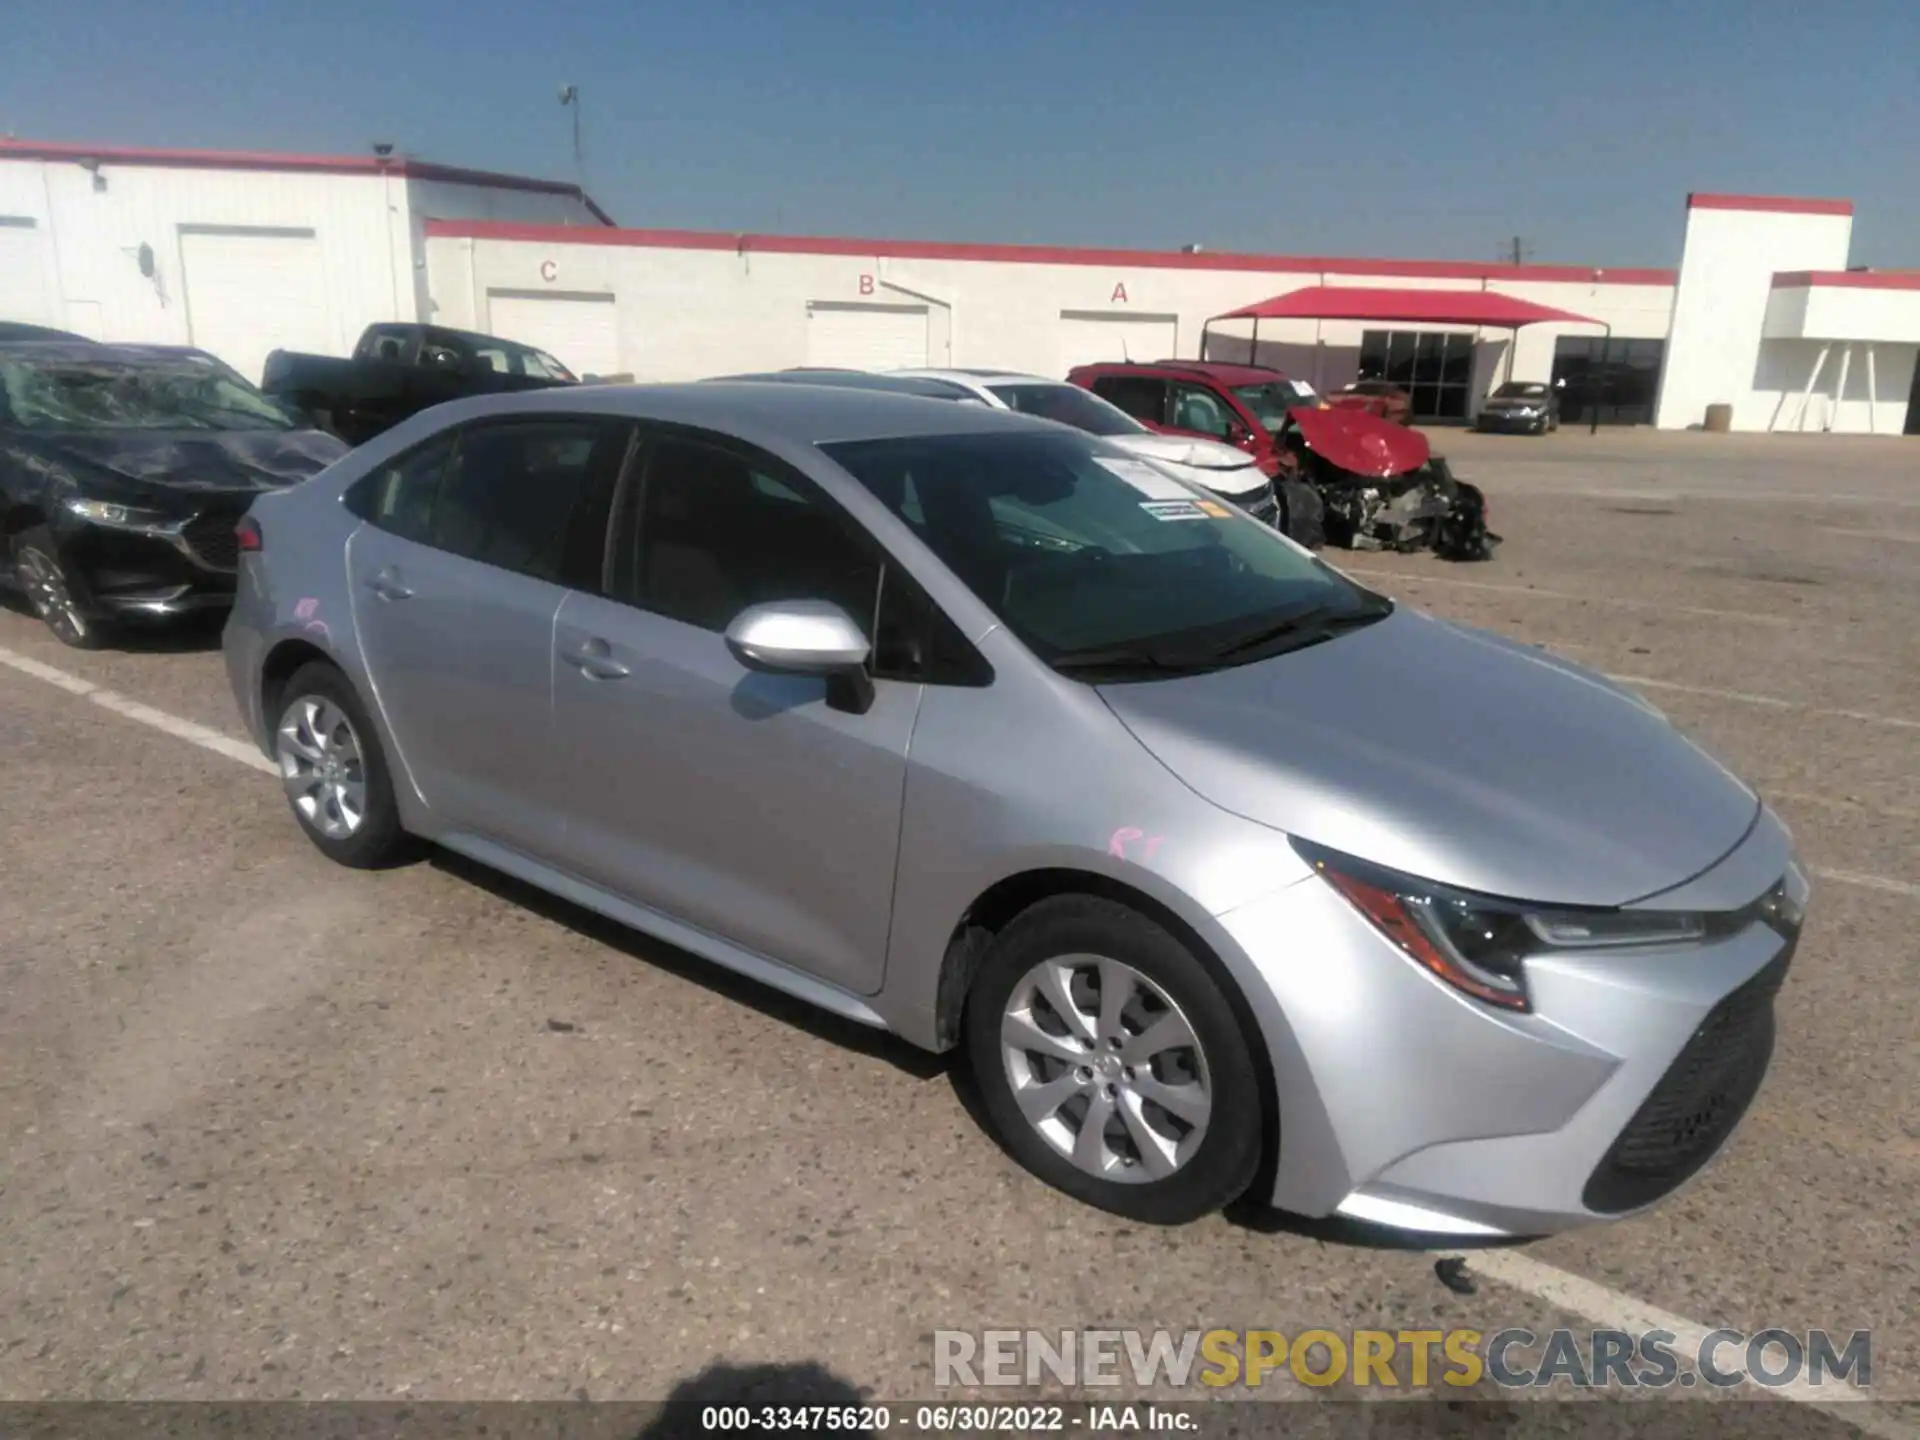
(1763, 323)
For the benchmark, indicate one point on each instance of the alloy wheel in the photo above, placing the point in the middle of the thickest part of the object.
(322, 766)
(1106, 1068)
(45, 584)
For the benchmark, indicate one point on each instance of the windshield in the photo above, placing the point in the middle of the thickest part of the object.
(1070, 405)
(1082, 551)
(1271, 400)
(96, 395)
(1519, 390)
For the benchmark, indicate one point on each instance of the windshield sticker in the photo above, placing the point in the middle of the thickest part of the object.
(1174, 509)
(1214, 508)
(1152, 483)
(1303, 390)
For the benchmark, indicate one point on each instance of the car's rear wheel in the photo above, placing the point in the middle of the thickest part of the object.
(58, 596)
(1112, 1065)
(334, 771)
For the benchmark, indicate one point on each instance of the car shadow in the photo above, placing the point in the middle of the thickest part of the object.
(709, 976)
(193, 634)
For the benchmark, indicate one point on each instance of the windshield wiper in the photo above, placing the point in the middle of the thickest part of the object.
(1122, 659)
(1300, 629)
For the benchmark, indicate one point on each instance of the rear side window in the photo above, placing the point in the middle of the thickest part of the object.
(531, 497)
(1141, 396)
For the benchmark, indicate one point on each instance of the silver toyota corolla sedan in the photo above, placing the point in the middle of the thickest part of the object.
(1222, 869)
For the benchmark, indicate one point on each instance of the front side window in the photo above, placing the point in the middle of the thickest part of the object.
(1068, 405)
(1197, 408)
(1097, 560)
(717, 533)
(526, 496)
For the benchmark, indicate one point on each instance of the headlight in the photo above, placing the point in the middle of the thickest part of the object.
(120, 517)
(1480, 944)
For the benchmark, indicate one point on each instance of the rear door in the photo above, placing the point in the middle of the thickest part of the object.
(741, 803)
(469, 544)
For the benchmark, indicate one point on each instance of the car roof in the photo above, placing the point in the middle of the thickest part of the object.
(83, 350)
(782, 409)
(1225, 373)
(970, 378)
(922, 385)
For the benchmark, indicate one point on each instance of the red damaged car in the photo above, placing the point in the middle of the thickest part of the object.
(1378, 484)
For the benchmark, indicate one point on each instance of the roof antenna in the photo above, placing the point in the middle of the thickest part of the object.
(1123, 350)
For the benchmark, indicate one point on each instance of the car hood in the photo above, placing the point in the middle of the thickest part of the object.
(171, 461)
(1513, 402)
(1219, 468)
(1185, 450)
(1361, 442)
(1454, 755)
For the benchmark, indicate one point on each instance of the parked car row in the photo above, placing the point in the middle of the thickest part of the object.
(987, 731)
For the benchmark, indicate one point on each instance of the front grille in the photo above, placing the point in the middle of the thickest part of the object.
(1698, 1101)
(210, 536)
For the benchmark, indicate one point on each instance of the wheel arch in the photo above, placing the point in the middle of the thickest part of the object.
(18, 517)
(1012, 895)
(281, 663)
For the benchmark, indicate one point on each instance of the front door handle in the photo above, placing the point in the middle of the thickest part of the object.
(594, 659)
(388, 587)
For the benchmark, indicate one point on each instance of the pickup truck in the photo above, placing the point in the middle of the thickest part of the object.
(399, 369)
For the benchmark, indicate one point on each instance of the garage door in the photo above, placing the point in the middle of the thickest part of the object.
(1089, 336)
(23, 272)
(846, 335)
(577, 330)
(252, 290)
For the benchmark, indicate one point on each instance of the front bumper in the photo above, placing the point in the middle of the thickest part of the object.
(1404, 1103)
(183, 565)
(1508, 420)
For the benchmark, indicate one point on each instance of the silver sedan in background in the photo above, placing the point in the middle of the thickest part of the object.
(1218, 867)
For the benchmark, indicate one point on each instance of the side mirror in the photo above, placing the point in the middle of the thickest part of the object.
(806, 637)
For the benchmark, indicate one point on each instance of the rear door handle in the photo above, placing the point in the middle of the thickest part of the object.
(594, 659)
(388, 587)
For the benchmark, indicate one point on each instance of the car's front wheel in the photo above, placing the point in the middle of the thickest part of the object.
(1112, 1065)
(334, 771)
(58, 596)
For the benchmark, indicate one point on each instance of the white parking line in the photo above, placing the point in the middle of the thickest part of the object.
(191, 731)
(1752, 616)
(1512, 1268)
(1773, 702)
(1611, 1310)
(1869, 882)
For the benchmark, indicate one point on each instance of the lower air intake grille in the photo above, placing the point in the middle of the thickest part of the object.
(1698, 1101)
(210, 536)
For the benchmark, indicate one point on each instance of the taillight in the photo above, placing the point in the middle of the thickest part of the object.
(247, 532)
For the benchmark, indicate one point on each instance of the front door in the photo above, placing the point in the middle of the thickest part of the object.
(741, 803)
(457, 576)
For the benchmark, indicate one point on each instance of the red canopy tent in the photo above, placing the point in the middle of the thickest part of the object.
(1486, 308)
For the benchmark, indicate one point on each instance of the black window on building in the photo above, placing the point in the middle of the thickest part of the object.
(1610, 380)
(1434, 368)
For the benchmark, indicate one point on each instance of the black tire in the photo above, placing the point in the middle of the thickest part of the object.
(34, 558)
(1303, 514)
(379, 841)
(1228, 1150)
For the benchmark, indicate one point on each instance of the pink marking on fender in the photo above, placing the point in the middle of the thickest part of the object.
(1117, 844)
(306, 609)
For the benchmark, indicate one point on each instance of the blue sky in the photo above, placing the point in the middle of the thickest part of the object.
(1423, 131)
